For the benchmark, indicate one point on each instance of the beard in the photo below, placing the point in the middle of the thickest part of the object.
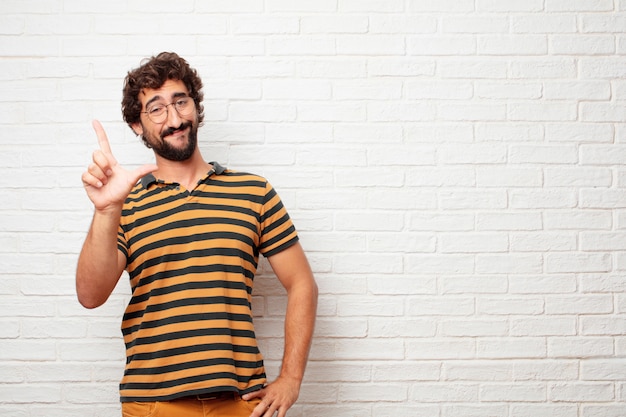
(172, 153)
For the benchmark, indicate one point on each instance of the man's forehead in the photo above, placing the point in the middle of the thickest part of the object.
(169, 89)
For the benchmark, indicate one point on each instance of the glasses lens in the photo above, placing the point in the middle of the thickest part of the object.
(184, 106)
(157, 113)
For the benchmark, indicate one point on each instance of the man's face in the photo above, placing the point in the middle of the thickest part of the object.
(172, 136)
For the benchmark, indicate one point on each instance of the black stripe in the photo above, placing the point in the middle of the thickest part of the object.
(186, 334)
(184, 350)
(278, 237)
(192, 285)
(189, 380)
(192, 270)
(188, 302)
(179, 381)
(186, 318)
(199, 253)
(227, 388)
(182, 224)
(192, 365)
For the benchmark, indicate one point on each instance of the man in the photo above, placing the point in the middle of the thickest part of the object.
(189, 233)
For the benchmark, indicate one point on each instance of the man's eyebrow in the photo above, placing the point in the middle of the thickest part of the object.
(174, 96)
(152, 100)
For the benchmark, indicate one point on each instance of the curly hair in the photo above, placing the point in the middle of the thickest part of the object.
(153, 73)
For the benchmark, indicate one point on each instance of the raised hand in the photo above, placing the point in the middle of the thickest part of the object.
(106, 182)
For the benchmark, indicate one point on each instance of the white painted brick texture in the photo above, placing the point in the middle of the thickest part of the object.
(456, 169)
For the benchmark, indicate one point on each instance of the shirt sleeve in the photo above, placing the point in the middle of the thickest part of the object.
(277, 230)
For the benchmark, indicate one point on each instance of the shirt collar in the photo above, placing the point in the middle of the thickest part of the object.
(150, 179)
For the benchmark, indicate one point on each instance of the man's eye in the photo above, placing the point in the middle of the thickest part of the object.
(155, 109)
(182, 102)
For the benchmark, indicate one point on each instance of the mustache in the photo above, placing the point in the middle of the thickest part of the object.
(172, 130)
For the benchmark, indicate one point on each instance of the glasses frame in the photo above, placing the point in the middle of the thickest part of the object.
(162, 117)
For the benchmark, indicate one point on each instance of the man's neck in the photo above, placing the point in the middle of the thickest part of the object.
(186, 173)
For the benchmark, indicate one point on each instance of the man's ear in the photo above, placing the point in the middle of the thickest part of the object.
(137, 128)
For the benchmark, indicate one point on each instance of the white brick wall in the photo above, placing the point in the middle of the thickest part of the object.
(456, 168)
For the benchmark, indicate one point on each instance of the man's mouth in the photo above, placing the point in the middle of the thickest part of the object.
(171, 131)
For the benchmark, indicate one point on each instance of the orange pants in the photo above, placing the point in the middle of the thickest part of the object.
(230, 406)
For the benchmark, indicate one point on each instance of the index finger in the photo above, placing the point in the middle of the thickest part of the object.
(103, 141)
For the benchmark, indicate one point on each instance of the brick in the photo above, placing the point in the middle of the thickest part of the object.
(508, 177)
(601, 68)
(603, 410)
(582, 45)
(428, 45)
(508, 6)
(401, 23)
(320, 24)
(548, 198)
(479, 24)
(603, 23)
(367, 90)
(602, 370)
(554, 326)
(509, 44)
(440, 348)
(552, 68)
(438, 90)
(580, 347)
(406, 242)
(504, 306)
(605, 198)
(594, 90)
(225, 6)
(430, 264)
(462, 306)
(487, 200)
(480, 284)
(31, 394)
(543, 23)
(408, 371)
(517, 348)
(455, 393)
(472, 68)
(378, 327)
(578, 177)
(375, 6)
(532, 410)
(473, 243)
(400, 67)
(545, 370)
(579, 6)
(602, 112)
(508, 90)
(578, 262)
(543, 242)
(577, 392)
(474, 328)
(527, 392)
(289, 6)
(256, 25)
(441, 222)
(448, 6)
(380, 45)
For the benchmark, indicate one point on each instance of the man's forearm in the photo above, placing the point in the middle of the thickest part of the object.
(299, 326)
(98, 267)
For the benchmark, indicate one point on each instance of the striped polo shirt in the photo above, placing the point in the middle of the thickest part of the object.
(191, 259)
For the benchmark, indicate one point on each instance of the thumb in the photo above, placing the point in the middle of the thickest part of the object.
(143, 171)
(251, 395)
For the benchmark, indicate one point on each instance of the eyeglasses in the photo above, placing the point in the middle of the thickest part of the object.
(158, 112)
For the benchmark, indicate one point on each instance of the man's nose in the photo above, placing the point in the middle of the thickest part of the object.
(173, 118)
